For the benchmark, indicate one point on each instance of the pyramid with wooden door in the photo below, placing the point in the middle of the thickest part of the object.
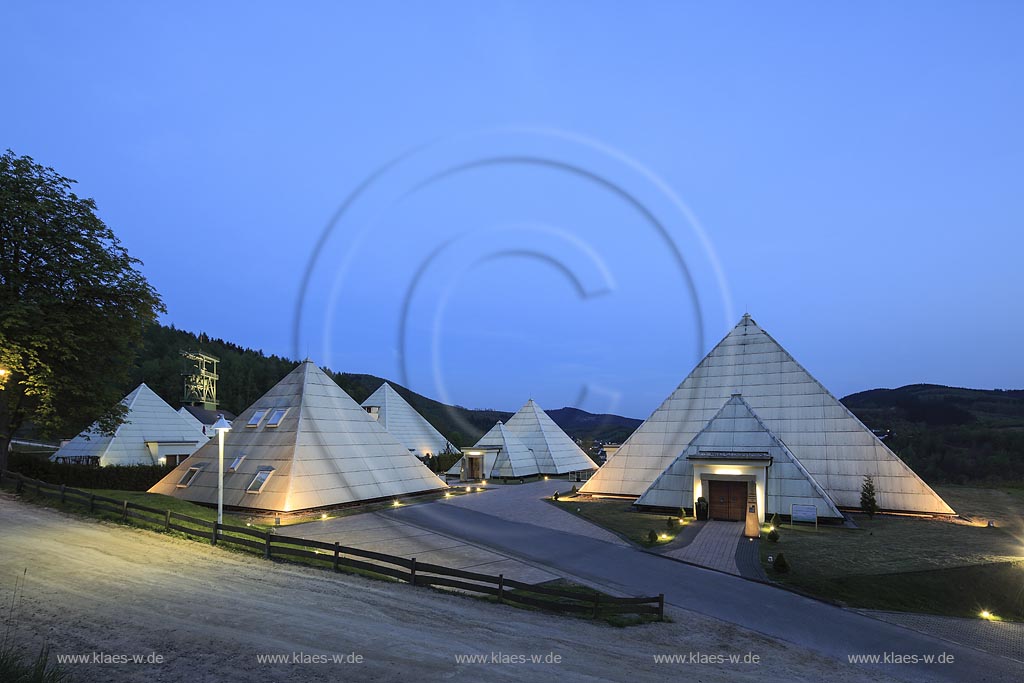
(835, 449)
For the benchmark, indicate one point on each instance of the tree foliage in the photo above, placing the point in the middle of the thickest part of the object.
(72, 305)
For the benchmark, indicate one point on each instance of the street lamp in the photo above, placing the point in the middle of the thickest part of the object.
(222, 427)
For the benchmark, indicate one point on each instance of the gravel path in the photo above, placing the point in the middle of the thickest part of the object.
(95, 587)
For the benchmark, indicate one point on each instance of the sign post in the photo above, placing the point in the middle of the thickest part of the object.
(803, 513)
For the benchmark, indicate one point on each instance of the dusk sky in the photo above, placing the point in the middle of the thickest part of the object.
(850, 174)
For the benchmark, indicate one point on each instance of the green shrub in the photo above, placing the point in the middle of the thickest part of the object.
(120, 477)
(574, 490)
(555, 496)
(670, 523)
(652, 537)
(780, 565)
(775, 522)
(867, 496)
(773, 535)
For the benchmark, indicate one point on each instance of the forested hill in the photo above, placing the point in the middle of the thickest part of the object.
(947, 434)
(246, 374)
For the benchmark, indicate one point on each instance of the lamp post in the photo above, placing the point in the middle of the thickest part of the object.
(222, 427)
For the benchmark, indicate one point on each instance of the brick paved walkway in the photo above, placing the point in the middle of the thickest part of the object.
(714, 547)
(1003, 638)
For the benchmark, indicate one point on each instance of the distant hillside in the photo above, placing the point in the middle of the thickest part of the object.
(601, 427)
(246, 374)
(949, 434)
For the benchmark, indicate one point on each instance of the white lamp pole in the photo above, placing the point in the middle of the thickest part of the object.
(222, 427)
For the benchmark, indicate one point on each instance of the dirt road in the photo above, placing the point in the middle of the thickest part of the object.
(210, 613)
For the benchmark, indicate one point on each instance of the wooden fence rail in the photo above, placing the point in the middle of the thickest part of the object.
(341, 558)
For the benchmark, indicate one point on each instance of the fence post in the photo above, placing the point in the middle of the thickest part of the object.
(213, 537)
(124, 512)
(92, 501)
(62, 487)
(412, 571)
(501, 587)
(597, 604)
(661, 606)
(266, 549)
(337, 551)
(167, 520)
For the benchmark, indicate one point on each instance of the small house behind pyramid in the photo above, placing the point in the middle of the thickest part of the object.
(401, 420)
(153, 433)
(304, 444)
(555, 451)
(736, 436)
(497, 455)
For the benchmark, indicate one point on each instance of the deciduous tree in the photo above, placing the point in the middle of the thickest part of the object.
(72, 306)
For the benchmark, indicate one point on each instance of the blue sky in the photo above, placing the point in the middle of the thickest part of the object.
(856, 169)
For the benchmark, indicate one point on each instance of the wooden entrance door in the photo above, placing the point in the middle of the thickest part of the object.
(474, 467)
(727, 500)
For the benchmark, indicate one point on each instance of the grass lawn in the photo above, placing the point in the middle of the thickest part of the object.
(922, 565)
(1004, 506)
(617, 516)
(154, 500)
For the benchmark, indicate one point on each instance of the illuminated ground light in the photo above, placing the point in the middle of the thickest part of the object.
(545, 478)
(447, 494)
(323, 516)
(664, 537)
(985, 614)
(468, 489)
(483, 483)
(396, 504)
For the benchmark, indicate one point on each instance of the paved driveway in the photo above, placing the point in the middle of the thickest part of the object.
(524, 503)
(374, 531)
(824, 628)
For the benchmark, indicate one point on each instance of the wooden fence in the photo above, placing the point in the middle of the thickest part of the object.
(341, 558)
